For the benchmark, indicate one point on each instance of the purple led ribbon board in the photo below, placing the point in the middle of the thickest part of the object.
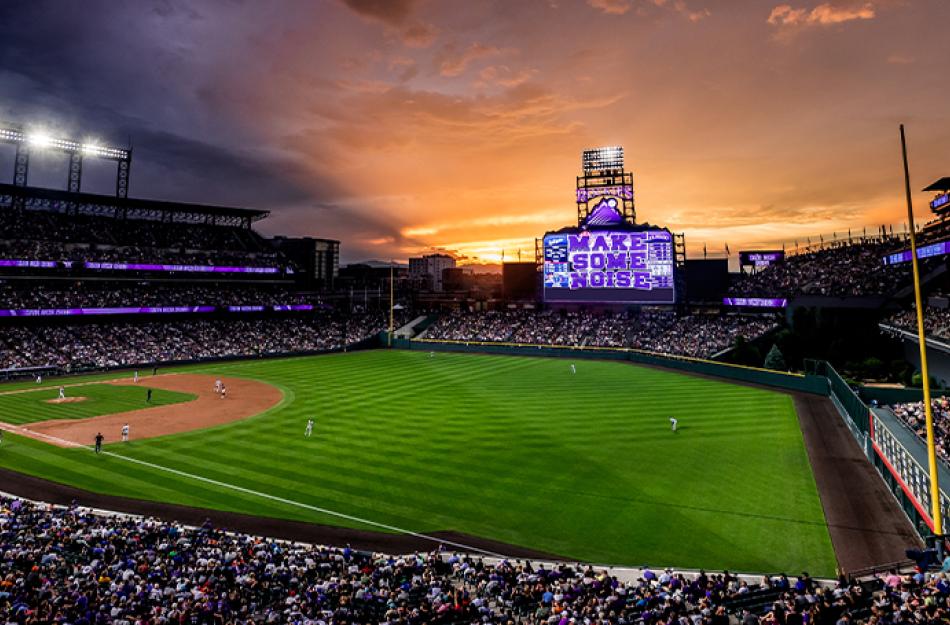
(756, 302)
(120, 310)
(143, 310)
(927, 251)
(18, 262)
(760, 258)
(186, 268)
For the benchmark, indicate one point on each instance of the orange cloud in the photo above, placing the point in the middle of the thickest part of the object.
(612, 7)
(419, 35)
(822, 15)
(455, 63)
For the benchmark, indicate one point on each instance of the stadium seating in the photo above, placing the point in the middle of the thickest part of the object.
(87, 294)
(912, 415)
(97, 345)
(936, 321)
(689, 335)
(840, 269)
(71, 565)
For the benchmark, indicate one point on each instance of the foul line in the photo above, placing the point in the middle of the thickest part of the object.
(291, 502)
(74, 385)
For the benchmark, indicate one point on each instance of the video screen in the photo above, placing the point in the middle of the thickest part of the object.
(761, 259)
(609, 267)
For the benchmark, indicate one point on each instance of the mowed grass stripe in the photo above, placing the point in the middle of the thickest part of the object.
(522, 451)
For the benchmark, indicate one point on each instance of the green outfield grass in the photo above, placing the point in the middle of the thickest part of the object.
(514, 449)
(30, 405)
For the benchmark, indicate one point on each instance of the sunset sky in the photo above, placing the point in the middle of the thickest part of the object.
(401, 126)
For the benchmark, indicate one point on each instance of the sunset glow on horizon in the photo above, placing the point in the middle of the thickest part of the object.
(406, 126)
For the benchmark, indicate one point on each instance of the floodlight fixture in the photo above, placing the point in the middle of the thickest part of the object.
(40, 139)
(608, 158)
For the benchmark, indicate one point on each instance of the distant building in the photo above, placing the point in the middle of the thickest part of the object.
(426, 272)
(318, 260)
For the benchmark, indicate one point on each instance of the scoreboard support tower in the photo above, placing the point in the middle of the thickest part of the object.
(603, 170)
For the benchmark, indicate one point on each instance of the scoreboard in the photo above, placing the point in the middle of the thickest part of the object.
(609, 267)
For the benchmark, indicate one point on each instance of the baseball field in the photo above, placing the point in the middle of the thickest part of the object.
(514, 449)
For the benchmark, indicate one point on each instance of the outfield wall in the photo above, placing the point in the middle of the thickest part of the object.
(899, 456)
(815, 384)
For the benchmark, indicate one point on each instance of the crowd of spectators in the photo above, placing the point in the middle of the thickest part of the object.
(77, 253)
(72, 565)
(92, 294)
(936, 321)
(96, 345)
(686, 335)
(840, 269)
(912, 414)
(38, 235)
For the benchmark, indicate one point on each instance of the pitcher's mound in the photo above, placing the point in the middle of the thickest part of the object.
(65, 400)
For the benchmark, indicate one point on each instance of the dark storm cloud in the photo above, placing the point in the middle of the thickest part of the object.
(392, 12)
(77, 69)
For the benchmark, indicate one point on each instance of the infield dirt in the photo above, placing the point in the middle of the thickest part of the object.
(245, 398)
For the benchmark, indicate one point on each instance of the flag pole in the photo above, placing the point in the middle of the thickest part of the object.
(928, 410)
(389, 339)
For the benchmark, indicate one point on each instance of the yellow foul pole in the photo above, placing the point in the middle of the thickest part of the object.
(928, 411)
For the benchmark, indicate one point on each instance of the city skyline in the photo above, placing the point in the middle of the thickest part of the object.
(410, 126)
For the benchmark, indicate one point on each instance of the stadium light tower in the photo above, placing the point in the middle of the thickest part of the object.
(25, 142)
(604, 177)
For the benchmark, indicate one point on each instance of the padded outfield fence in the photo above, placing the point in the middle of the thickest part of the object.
(788, 381)
(895, 454)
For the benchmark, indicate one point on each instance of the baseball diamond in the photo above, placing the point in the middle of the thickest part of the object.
(479, 445)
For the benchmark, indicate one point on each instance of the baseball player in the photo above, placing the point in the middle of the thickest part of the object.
(218, 385)
(39, 379)
(224, 391)
(99, 438)
(148, 396)
(573, 368)
(62, 392)
(135, 377)
(125, 433)
(309, 429)
(673, 423)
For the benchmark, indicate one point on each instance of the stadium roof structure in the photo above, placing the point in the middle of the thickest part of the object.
(13, 197)
(941, 185)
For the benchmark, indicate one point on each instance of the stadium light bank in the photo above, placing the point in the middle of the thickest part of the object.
(41, 140)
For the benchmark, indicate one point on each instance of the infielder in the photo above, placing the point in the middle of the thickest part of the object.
(224, 391)
(309, 429)
(673, 423)
(99, 438)
(125, 433)
(62, 392)
(135, 377)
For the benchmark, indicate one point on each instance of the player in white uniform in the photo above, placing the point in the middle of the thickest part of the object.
(218, 385)
(224, 391)
(62, 392)
(573, 368)
(135, 377)
(309, 429)
(39, 379)
(125, 433)
(673, 423)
